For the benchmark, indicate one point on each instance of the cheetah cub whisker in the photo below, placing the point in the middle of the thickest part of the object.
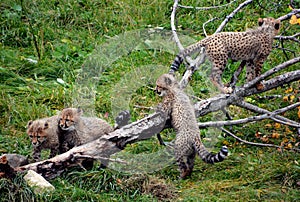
(178, 107)
(252, 47)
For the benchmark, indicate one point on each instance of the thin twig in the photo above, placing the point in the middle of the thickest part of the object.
(289, 15)
(204, 24)
(206, 8)
(194, 64)
(292, 38)
(276, 118)
(257, 144)
(143, 107)
(173, 14)
(228, 17)
(271, 71)
(250, 143)
(249, 119)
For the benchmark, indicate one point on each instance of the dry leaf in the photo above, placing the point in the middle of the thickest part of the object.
(268, 125)
(225, 143)
(265, 138)
(275, 135)
(287, 130)
(292, 97)
(289, 90)
(294, 20)
(289, 146)
(277, 125)
(258, 134)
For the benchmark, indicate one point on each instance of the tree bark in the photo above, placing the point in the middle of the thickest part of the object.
(101, 148)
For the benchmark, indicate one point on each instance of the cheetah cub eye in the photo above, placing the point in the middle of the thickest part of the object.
(160, 91)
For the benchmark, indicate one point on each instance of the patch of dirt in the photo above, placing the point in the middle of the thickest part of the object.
(158, 188)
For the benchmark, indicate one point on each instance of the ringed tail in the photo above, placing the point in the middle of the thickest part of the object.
(208, 157)
(176, 63)
(180, 57)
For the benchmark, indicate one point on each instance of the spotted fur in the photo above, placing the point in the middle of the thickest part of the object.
(252, 47)
(44, 134)
(187, 143)
(78, 130)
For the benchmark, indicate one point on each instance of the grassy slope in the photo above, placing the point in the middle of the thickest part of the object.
(64, 34)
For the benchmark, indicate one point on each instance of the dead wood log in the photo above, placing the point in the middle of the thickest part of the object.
(101, 148)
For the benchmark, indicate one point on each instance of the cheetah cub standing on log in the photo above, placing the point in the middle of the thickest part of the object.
(44, 134)
(78, 130)
(187, 143)
(252, 47)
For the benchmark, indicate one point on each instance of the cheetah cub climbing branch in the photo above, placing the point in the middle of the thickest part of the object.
(177, 105)
(252, 47)
(44, 134)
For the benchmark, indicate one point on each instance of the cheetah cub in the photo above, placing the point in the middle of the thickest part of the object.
(252, 47)
(44, 134)
(177, 105)
(78, 130)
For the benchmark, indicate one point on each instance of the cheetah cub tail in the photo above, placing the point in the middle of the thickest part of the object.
(208, 157)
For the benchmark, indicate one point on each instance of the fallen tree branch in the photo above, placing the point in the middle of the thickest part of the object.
(100, 148)
(292, 38)
(255, 143)
(270, 72)
(249, 119)
(289, 15)
(173, 27)
(276, 118)
(275, 82)
(250, 143)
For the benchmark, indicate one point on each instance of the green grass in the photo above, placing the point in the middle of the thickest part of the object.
(97, 55)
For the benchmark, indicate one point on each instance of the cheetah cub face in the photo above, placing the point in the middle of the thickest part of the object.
(164, 83)
(270, 23)
(36, 131)
(68, 118)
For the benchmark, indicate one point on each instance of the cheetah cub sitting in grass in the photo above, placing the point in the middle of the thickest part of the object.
(177, 105)
(252, 47)
(78, 130)
(44, 134)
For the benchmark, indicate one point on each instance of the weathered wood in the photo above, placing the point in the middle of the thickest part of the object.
(101, 148)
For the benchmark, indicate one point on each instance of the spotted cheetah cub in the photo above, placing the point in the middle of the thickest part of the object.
(252, 47)
(44, 134)
(177, 105)
(78, 130)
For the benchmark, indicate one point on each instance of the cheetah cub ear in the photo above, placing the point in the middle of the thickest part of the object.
(79, 111)
(29, 123)
(277, 24)
(46, 125)
(260, 21)
(168, 81)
